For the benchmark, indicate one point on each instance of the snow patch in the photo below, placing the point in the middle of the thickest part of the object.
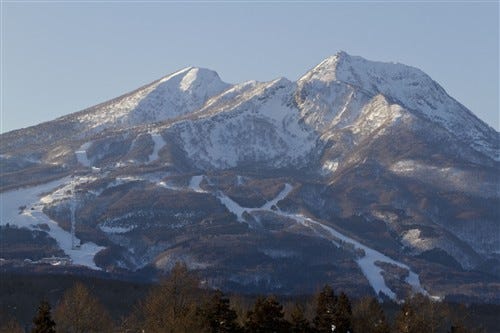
(33, 215)
(116, 229)
(159, 143)
(81, 154)
(412, 238)
(449, 178)
(232, 206)
(237, 210)
(330, 166)
(240, 180)
(282, 195)
(194, 184)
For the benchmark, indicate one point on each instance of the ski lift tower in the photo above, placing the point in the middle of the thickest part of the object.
(74, 205)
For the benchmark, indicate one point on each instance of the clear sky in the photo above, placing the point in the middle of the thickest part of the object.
(60, 57)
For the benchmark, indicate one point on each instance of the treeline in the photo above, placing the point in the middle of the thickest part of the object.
(179, 303)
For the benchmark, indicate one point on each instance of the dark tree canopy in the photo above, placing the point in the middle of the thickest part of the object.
(218, 315)
(420, 314)
(369, 317)
(298, 321)
(43, 323)
(343, 314)
(266, 316)
(326, 303)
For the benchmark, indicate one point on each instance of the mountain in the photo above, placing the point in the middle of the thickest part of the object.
(362, 174)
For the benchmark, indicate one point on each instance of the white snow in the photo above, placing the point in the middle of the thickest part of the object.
(168, 186)
(237, 210)
(116, 230)
(240, 180)
(413, 239)
(449, 178)
(409, 87)
(81, 154)
(194, 184)
(260, 126)
(367, 261)
(330, 166)
(65, 190)
(33, 215)
(232, 206)
(282, 195)
(179, 93)
(159, 142)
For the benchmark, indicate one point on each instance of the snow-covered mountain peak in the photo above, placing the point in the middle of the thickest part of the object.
(325, 87)
(176, 94)
(371, 76)
(195, 78)
(178, 73)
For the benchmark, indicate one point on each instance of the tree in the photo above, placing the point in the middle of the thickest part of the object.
(342, 314)
(43, 323)
(11, 326)
(172, 305)
(298, 321)
(420, 314)
(459, 329)
(326, 302)
(368, 316)
(266, 317)
(218, 315)
(80, 312)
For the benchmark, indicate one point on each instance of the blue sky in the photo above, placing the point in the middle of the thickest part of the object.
(60, 57)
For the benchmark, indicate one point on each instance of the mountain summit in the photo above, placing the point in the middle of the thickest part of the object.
(362, 174)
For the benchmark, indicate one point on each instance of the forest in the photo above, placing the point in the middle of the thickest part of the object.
(180, 302)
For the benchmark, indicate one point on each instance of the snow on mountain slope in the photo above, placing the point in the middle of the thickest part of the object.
(354, 137)
(262, 127)
(369, 261)
(23, 208)
(81, 154)
(159, 142)
(409, 87)
(176, 94)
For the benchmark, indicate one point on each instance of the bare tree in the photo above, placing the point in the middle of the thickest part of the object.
(172, 305)
(80, 312)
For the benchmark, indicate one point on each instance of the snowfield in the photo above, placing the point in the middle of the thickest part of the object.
(81, 154)
(158, 144)
(34, 198)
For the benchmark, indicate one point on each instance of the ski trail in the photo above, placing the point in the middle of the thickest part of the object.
(159, 142)
(367, 262)
(81, 154)
(32, 216)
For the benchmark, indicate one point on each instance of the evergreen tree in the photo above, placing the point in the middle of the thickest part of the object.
(43, 323)
(343, 314)
(326, 303)
(218, 315)
(266, 317)
(298, 321)
(369, 317)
